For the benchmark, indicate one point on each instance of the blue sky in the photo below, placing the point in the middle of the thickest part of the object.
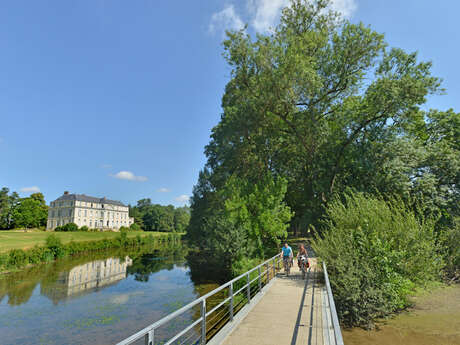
(117, 99)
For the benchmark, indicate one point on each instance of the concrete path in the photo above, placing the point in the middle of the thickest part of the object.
(290, 313)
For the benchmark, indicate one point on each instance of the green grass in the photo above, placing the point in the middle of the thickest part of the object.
(14, 239)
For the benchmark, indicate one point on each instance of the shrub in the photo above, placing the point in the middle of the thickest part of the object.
(124, 229)
(17, 258)
(84, 228)
(376, 253)
(54, 244)
(449, 243)
(135, 227)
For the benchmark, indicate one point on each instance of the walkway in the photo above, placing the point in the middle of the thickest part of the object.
(293, 311)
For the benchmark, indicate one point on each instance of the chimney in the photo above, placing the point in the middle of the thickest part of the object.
(66, 192)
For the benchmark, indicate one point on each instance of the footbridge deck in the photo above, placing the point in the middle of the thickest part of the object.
(293, 311)
(261, 307)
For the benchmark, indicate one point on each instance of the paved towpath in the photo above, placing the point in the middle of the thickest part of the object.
(290, 313)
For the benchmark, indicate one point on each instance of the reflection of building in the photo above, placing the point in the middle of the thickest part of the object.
(86, 210)
(82, 278)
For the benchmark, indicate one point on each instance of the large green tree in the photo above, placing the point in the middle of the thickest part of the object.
(320, 101)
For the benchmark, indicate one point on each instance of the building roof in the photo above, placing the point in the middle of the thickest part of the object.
(86, 198)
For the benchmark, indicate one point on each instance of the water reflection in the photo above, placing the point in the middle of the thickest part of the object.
(86, 278)
(97, 298)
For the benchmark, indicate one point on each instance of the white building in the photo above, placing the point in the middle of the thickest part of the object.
(81, 209)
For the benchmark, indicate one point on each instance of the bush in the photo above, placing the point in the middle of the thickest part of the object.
(124, 229)
(135, 227)
(54, 244)
(84, 228)
(376, 253)
(17, 258)
(449, 240)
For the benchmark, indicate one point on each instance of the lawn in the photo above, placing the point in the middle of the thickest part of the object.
(14, 239)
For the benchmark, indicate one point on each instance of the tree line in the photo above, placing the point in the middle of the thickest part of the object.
(155, 217)
(320, 115)
(17, 212)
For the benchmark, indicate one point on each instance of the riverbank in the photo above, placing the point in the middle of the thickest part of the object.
(54, 248)
(19, 239)
(434, 319)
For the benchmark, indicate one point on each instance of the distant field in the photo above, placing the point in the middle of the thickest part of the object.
(14, 239)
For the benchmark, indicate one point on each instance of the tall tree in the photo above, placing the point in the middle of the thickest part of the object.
(306, 100)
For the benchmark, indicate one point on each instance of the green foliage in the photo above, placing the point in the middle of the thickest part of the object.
(376, 252)
(449, 244)
(54, 248)
(16, 212)
(242, 220)
(54, 244)
(154, 217)
(84, 228)
(135, 227)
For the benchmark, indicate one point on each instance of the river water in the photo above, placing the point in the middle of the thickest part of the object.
(434, 320)
(98, 299)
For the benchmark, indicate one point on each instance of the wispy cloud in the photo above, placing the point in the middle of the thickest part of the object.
(262, 15)
(106, 166)
(1, 140)
(227, 19)
(345, 7)
(265, 13)
(182, 198)
(163, 190)
(33, 189)
(128, 175)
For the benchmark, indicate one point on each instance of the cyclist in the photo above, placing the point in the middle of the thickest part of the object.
(302, 251)
(287, 254)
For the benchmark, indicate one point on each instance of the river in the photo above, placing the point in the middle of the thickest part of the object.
(434, 320)
(98, 299)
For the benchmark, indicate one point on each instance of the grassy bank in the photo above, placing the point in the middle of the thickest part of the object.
(18, 239)
(54, 248)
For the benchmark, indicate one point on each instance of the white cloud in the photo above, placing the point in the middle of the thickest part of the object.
(227, 19)
(33, 189)
(264, 14)
(182, 198)
(345, 7)
(163, 190)
(128, 175)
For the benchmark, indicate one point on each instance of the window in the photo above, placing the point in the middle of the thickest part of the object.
(90, 223)
(79, 213)
(102, 205)
(85, 213)
(102, 214)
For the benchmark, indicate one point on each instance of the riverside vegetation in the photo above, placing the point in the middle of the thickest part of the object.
(55, 249)
(324, 129)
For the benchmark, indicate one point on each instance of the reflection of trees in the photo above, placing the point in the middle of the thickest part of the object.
(165, 258)
(19, 286)
(205, 268)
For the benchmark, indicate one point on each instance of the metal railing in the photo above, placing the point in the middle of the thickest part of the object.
(335, 319)
(247, 286)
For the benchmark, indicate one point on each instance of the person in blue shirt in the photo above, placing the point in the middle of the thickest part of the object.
(287, 253)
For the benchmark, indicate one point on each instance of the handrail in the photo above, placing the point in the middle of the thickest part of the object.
(335, 320)
(149, 332)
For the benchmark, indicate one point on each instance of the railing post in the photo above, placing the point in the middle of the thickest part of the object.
(274, 269)
(231, 302)
(149, 337)
(249, 288)
(203, 322)
(268, 272)
(260, 278)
